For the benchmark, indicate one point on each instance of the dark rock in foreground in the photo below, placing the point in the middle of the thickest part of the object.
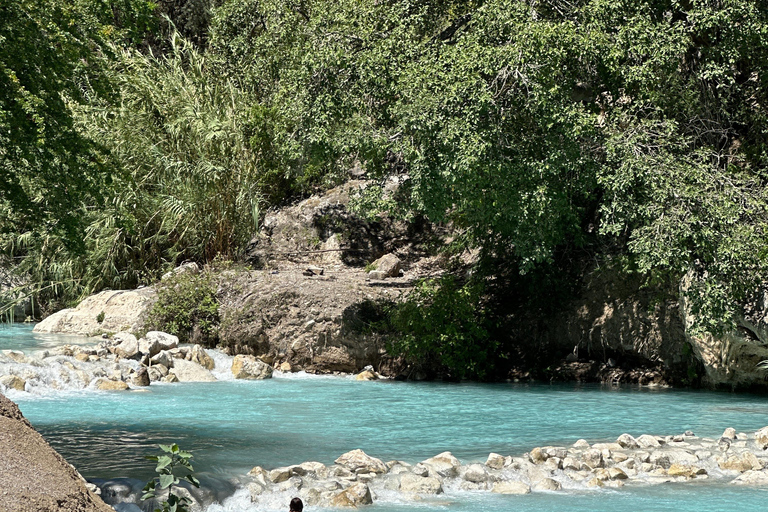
(33, 477)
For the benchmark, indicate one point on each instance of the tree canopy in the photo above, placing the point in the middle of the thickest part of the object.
(543, 131)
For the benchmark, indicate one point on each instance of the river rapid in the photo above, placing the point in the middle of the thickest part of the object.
(231, 426)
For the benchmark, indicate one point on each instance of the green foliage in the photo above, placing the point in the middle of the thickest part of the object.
(190, 183)
(100, 317)
(187, 307)
(46, 167)
(172, 461)
(52, 175)
(444, 323)
(545, 133)
(536, 129)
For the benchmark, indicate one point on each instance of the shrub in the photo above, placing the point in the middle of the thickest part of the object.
(444, 323)
(187, 307)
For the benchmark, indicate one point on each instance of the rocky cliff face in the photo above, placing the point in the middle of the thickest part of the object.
(616, 330)
(311, 305)
(732, 359)
(317, 323)
(33, 477)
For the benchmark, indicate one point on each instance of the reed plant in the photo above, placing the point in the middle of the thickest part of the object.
(184, 182)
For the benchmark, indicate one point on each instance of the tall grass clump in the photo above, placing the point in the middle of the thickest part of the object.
(184, 184)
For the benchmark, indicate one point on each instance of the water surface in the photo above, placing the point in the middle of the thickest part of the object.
(232, 426)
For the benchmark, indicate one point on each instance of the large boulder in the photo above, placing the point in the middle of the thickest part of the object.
(33, 477)
(150, 348)
(386, 266)
(164, 357)
(164, 340)
(761, 438)
(200, 356)
(444, 464)
(627, 441)
(358, 461)
(475, 473)
(248, 367)
(141, 377)
(187, 371)
(420, 484)
(128, 346)
(13, 382)
(353, 496)
(123, 310)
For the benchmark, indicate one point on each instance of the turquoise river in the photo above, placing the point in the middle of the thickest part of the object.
(231, 426)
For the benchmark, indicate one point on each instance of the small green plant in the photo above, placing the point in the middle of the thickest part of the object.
(100, 317)
(369, 267)
(173, 459)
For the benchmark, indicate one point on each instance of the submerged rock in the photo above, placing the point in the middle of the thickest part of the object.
(105, 384)
(752, 477)
(547, 484)
(511, 487)
(366, 375)
(416, 484)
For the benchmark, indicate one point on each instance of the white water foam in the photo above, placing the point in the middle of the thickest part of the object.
(53, 375)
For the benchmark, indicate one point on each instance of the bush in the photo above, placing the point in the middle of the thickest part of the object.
(187, 307)
(443, 323)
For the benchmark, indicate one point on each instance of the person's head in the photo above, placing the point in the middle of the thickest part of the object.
(296, 505)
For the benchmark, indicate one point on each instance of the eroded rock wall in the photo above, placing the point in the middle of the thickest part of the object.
(315, 323)
(731, 359)
(617, 330)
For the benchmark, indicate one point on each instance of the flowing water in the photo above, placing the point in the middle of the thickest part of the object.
(231, 426)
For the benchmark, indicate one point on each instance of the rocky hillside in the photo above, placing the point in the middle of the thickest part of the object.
(33, 477)
(320, 278)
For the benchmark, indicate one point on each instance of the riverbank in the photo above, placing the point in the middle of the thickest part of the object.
(319, 280)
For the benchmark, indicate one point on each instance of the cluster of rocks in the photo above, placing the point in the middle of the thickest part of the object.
(122, 362)
(357, 478)
(160, 358)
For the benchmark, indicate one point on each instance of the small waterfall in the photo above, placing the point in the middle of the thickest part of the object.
(66, 368)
